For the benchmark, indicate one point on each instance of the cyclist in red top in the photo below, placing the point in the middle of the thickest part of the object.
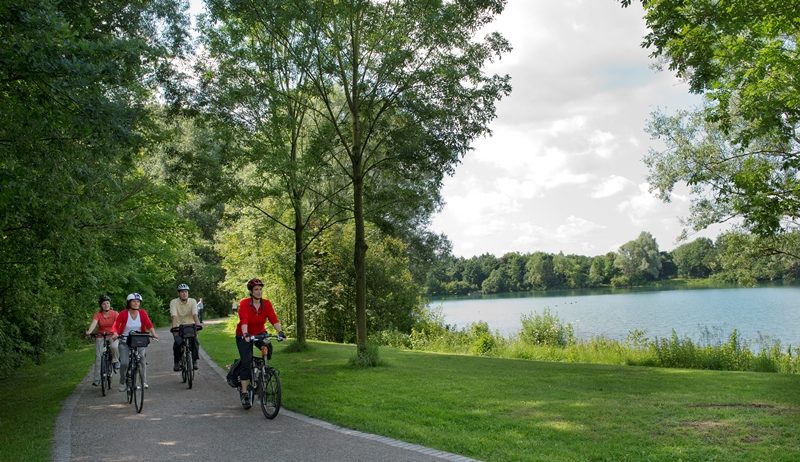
(104, 321)
(254, 312)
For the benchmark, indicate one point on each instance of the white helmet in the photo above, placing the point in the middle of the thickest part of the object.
(134, 296)
(183, 287)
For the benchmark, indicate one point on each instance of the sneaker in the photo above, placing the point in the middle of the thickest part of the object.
(194, 366)
(123, 388)
(116, 367)
(95, 384)
(245, 400)
(176, 366)
(146, 386)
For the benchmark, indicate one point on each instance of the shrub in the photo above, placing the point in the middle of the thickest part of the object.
(368, 356)
(546, 329)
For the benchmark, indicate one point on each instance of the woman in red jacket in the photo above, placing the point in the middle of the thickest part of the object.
(254, 312)
(132, 319)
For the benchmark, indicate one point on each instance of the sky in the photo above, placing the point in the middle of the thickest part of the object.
(563, 169)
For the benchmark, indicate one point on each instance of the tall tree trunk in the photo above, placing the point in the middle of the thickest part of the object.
(360, 256)
(299, 287)
(357, 159)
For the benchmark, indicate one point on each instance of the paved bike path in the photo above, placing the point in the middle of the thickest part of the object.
(207, 423)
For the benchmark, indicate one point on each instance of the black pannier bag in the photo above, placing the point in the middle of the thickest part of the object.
(233, 374)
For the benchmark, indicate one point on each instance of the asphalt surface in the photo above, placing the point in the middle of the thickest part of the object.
(206, 423)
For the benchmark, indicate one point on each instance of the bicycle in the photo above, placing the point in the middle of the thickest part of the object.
(134, 376)
(106, 363)
(266, 381)
(187, 331)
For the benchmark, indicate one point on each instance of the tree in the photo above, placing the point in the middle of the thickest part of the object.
(602, 269)
(740, 152)
(695, 259)
(402, 85)
(255, 84)
(540, 273)
(639, 260)
(81, 208)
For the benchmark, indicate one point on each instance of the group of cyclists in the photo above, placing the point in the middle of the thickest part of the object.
(254, 312)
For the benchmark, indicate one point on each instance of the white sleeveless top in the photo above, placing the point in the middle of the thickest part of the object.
(133, 324)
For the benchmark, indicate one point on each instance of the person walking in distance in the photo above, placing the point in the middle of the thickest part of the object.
(200, 309)
(254, 311)
(183, 310)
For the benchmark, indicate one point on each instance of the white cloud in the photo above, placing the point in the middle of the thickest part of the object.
(574, 227)
(640, 206)
(612, 185)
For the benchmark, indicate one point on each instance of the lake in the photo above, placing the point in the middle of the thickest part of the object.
(770, 312)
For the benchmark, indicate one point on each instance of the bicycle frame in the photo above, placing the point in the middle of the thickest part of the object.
(186, 358)
(134, 378)
(265, 380)
(106, 363)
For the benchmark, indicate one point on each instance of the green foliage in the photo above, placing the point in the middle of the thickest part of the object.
(546, 329)
(738, 153)
(83, 212)
(639, 260)
(367, 356)
(544, 337)
(696, 259)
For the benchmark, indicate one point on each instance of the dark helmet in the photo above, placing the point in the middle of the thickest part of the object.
(254, 282)
(183, 287)
(103, 298)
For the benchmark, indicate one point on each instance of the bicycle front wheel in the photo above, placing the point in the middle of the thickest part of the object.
(189, 368)
(104, 374)
(270, 393)
(138, 389)
(109, 371)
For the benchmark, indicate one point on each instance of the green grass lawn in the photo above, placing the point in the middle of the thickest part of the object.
(486, 408)
(31, 401)
(510, 410)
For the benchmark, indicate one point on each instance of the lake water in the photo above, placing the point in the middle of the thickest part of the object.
(771, 312)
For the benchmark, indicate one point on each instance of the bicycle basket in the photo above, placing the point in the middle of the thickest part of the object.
(188, 331)
(138, 340)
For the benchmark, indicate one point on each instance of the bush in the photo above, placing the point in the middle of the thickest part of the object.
(368, 356)
(546, 329)
(394, 338)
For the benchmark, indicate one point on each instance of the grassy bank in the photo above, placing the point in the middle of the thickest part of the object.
(32, 398)
(486, 408)
(504, 409)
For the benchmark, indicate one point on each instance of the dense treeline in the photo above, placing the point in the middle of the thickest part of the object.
(125, 169)
(735, 257)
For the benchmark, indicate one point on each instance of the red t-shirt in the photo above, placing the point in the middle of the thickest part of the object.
(105, 322)
(255, 320)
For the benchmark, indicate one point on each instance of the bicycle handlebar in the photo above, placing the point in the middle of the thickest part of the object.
(178, 328)
(266, 336)
(100, 334)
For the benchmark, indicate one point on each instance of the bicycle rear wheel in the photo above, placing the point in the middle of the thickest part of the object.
(270, 393)
(138, 388)
(189, 366)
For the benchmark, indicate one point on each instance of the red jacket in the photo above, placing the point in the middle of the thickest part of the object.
(122, 320)
(256, 321)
